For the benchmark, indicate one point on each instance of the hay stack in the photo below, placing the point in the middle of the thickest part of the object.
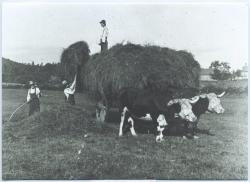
(129, 65)
(139, 66)
(72, 59)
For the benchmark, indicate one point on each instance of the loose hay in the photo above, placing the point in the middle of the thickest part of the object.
(140, 67)
(130, 65)
(73, 58)
(54, 121)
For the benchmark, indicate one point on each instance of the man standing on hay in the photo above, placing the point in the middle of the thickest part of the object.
(33, 98)
(69, 91)
(104, 36)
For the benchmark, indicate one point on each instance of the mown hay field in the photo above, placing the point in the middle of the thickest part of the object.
(64, 142)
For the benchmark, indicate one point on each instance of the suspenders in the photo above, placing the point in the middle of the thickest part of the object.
(32, 95)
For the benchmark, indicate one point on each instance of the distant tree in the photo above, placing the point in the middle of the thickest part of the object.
(236, 74)
(221, 70)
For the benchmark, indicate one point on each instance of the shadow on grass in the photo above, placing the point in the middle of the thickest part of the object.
(204, 131)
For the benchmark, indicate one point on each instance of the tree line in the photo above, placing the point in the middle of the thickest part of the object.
(50, 75)
(47, 76)
(222, 71)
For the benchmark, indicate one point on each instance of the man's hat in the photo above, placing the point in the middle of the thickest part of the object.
(31, 83)
(64, 82)
(103, 21)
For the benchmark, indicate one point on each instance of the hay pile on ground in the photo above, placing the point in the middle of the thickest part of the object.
(140, 66)
(73, 58)
(53, 121)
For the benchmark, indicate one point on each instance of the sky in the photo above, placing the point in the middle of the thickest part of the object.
(210, 31)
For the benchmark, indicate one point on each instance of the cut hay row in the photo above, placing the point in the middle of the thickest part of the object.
(131, 65)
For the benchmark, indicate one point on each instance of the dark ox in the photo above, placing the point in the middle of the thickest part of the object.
(144, 124)
(135, 104)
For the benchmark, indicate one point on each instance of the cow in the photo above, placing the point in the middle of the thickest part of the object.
(186, 108)
(140, 124)
(214, 105)
(206, 103)
(136, 103)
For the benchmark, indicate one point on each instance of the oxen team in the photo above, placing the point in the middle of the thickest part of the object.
(164, 110)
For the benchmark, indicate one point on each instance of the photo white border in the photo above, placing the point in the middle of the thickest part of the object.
(245, 2)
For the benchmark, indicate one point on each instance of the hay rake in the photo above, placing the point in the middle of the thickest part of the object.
(17, 110)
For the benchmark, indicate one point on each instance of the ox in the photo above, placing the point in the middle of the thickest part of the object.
(206, 103)
(214, 104)
(135, 103)
(143, 124)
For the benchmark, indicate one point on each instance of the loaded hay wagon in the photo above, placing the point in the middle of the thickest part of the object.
(131, 65)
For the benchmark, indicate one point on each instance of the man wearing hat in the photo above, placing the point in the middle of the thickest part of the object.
(104, 36)
(33, 98)
(69, 91)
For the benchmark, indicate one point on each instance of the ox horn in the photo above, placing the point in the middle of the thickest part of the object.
(221, 94)
(194, 99)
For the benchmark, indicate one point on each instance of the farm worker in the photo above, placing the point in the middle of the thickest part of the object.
(69, 91)
(33, 98)
(40, 94)
(104, 36)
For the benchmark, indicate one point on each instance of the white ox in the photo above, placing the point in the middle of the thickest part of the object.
(214, 102)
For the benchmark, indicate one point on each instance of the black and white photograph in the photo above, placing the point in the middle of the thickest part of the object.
(124, 90)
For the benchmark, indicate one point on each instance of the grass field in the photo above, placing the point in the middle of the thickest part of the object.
(64, 142)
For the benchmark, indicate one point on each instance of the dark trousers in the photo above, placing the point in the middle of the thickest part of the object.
(104, 46)
(71, 99)
(34, 106)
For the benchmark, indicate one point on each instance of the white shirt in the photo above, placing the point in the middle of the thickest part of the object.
(32, 91)
(70, 90)
(104, 34)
